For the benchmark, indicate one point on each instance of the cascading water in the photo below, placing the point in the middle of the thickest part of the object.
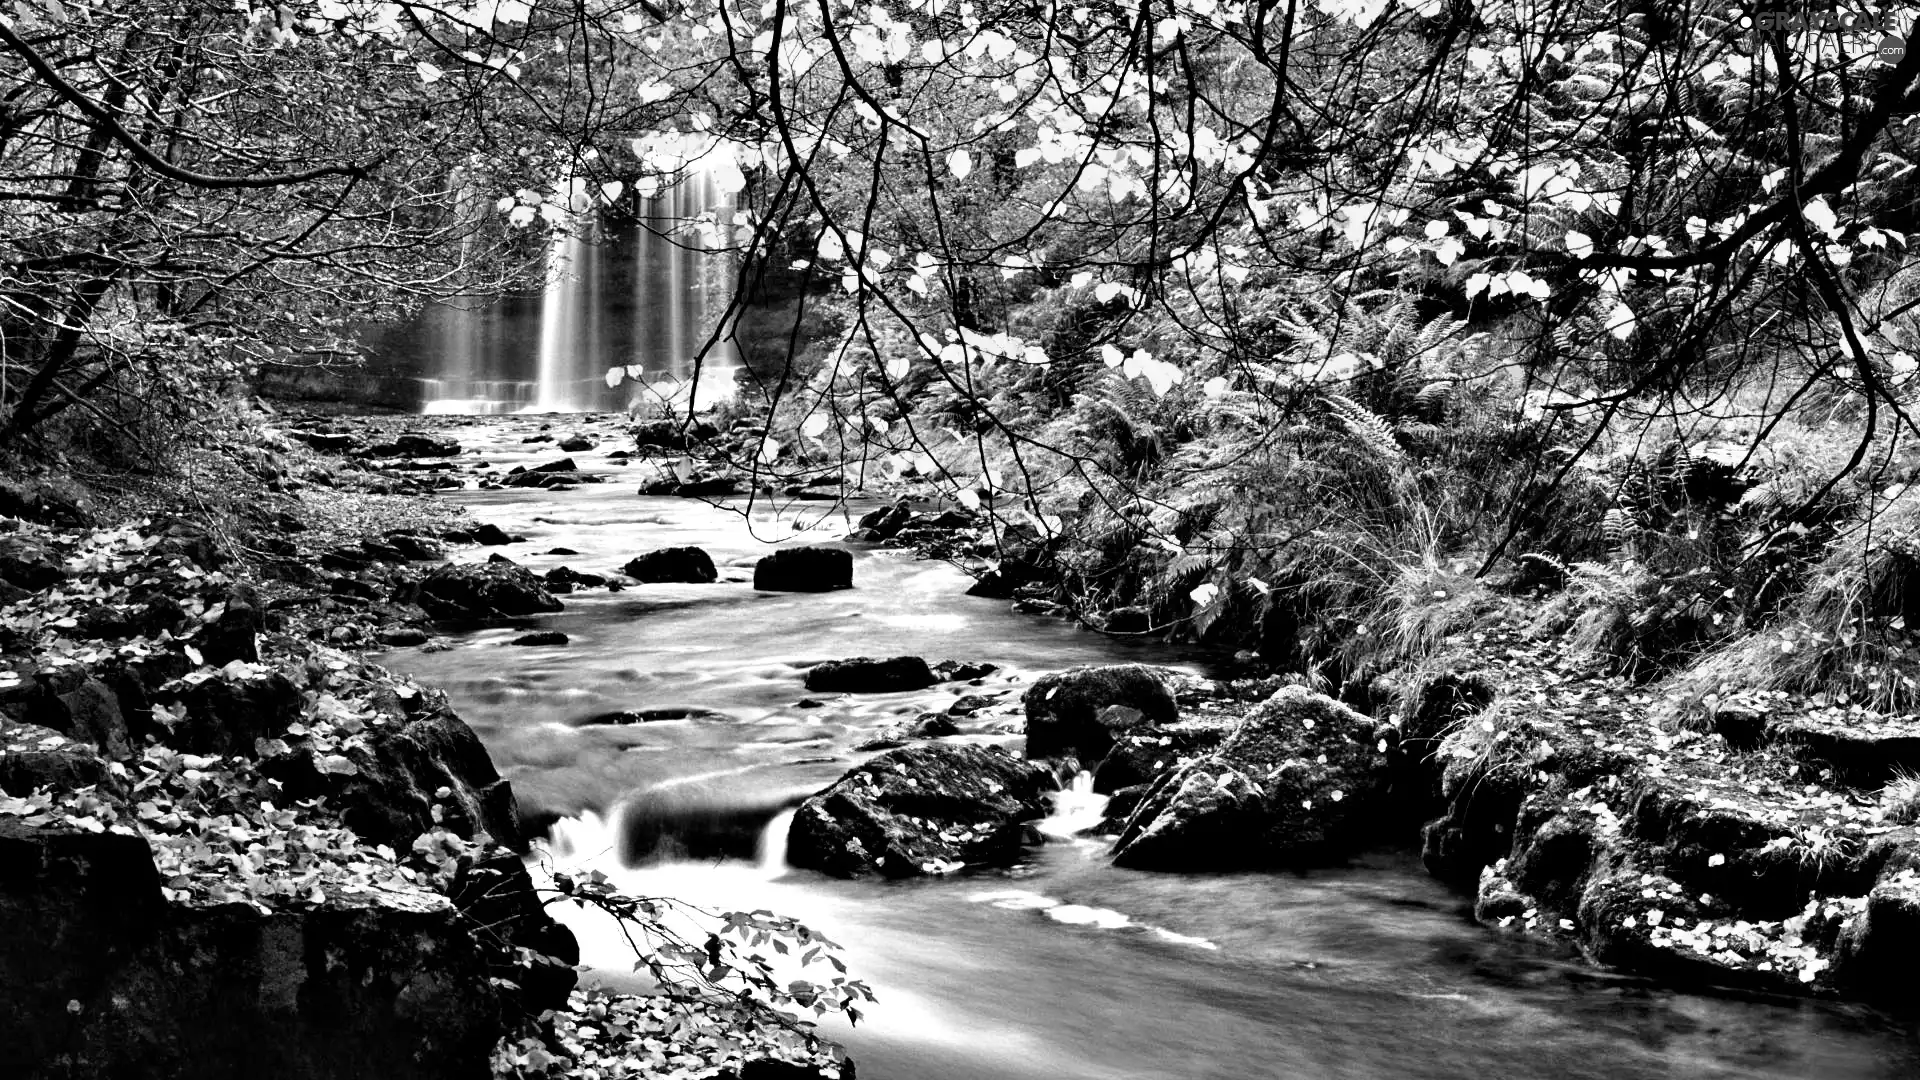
(652, 334)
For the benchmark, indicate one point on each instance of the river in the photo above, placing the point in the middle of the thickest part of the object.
(1064, 968)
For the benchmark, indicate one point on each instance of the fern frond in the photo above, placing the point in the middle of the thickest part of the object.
(1370, 428)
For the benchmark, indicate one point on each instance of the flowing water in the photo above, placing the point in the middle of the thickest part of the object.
(1064, 968)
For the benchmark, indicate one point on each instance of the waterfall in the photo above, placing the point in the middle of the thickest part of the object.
(683, 288)
(514, 355)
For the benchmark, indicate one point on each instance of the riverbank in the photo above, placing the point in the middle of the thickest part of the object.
(212, 803)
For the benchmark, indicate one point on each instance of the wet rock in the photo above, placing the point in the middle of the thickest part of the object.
(562, 551)
(710, 488)
(1142, 754)
(660, 434)
(1127, 620)
(674, 564)
(91, 713)
(567, 579)
(101, 622)
(329, 442)
(234, 633)
(1066, 710)
(418, 444)
(185, 539)
(34, 757)
(484, 591)
(1301, 779)
(1005, 580)
(415, 548)
(489, 534)
(659, 714)
(577, 444)
(496, 892)
(920, 810)
(932, 726)
(968, 704)
(1879, 949)
(886, 521)
(1862, 751)
(866, 675)
(26, 564)
(37, 500)
(804, 569)
(541, 637)
(228, 711)
(412, 772)
(961, 671)
(400, 636)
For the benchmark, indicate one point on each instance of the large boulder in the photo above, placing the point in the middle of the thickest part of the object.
(688, 564)
(804, 569)
(1073, 713)
(1301, 779)
(411, 773)
(99, 976)
(484, 591)
(866, 675)
(921, 810)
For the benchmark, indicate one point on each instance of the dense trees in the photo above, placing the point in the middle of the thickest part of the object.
(1240, 307)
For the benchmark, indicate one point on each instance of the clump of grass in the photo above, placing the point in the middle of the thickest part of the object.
(1849, 632)
(1900, 800)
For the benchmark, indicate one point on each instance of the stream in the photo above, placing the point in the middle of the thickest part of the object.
(1064, 968)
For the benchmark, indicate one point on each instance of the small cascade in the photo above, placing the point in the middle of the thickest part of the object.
(1076, 808)
(588, 838)
(772, 855)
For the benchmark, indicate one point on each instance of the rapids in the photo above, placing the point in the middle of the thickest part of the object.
(1065, 968)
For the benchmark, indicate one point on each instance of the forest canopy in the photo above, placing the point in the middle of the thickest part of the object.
(1232, 311)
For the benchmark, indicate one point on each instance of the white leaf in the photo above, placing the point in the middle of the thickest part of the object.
(1478, 284)
(898, 366)
(1111, 355)
(1202, 595)
(615, 375)
(1215, 386)
(960, 164)
(969, 499)
(1579, 244)
(1821, 216)
(428, 73)
(1448, 250)
(815, 425)
(1438, 228)
(1620, 321)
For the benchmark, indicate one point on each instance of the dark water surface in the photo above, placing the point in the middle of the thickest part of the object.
(1065, 969)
